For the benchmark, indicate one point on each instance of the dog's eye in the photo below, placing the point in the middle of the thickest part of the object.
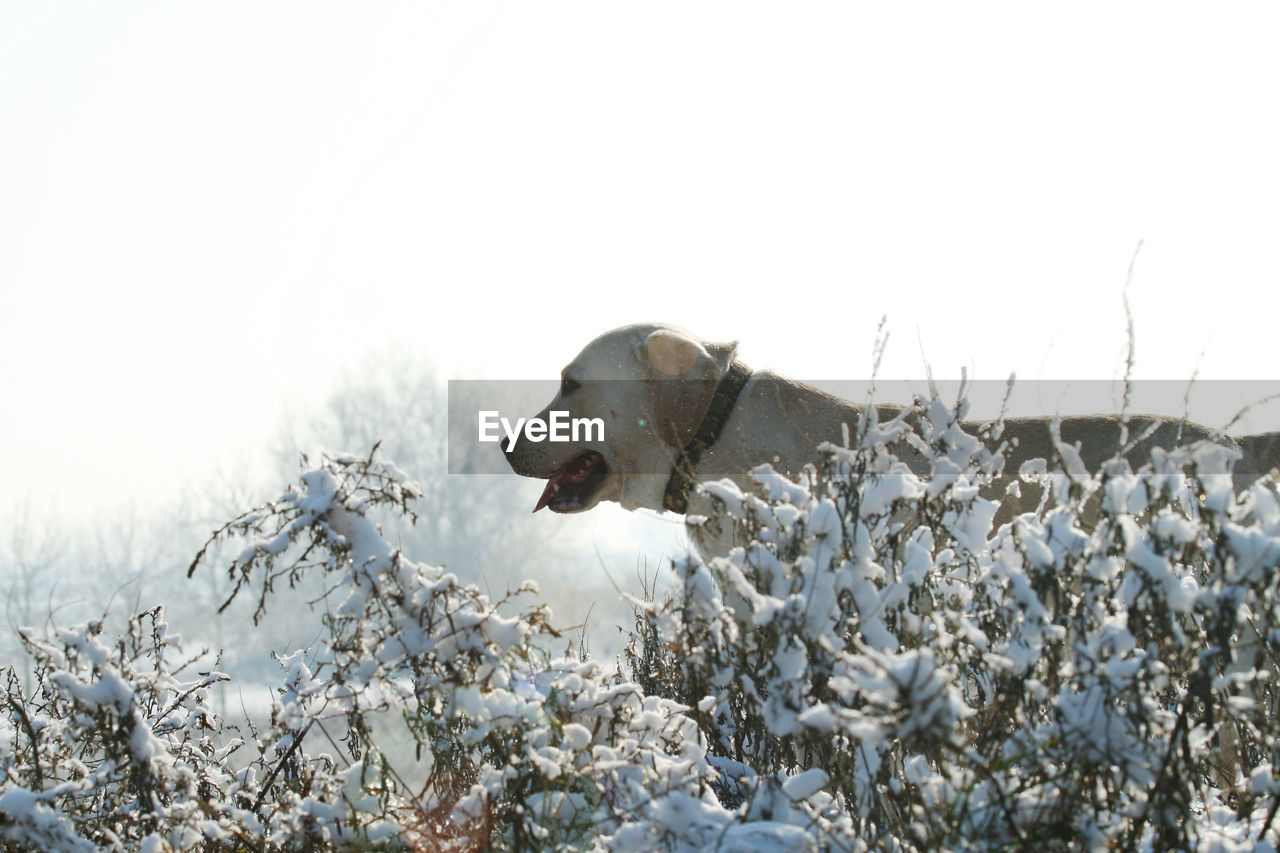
(567, 386)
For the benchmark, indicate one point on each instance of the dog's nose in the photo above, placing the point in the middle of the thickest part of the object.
(503, 442)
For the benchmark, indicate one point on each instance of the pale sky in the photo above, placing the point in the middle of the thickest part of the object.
(209, 210)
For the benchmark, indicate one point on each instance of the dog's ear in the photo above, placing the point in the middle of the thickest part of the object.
(682, 382)
(671, 353)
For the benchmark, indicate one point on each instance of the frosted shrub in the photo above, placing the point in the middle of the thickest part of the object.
(116, 745)
(519, 749)
(1096, 672)
(903, 655)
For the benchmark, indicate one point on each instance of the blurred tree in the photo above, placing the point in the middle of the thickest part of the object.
(30, 558)
(397, 398)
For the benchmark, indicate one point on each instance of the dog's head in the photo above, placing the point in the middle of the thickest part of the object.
(647, 387)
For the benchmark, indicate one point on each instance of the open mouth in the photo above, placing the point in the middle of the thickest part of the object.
(568, 488)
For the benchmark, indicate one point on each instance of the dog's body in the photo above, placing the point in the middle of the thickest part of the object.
(654, 386)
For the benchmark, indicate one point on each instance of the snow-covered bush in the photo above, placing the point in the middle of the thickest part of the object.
(513, 748)
(115, 746)
(904, 664)
(1097, 672)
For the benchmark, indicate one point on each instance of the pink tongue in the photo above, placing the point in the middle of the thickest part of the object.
(553, 486)
(571, 473)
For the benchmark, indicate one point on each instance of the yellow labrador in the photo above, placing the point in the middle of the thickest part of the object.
(676, 410)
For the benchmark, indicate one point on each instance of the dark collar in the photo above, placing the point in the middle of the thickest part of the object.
(730, 386)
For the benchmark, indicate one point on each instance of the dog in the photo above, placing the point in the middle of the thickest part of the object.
(677, 410)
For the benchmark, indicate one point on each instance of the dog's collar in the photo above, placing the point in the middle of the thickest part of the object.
(676, 498)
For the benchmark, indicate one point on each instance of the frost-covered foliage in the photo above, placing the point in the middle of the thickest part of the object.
(902, 657)
(513, 749)
(1097, 672)
(116, 746)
